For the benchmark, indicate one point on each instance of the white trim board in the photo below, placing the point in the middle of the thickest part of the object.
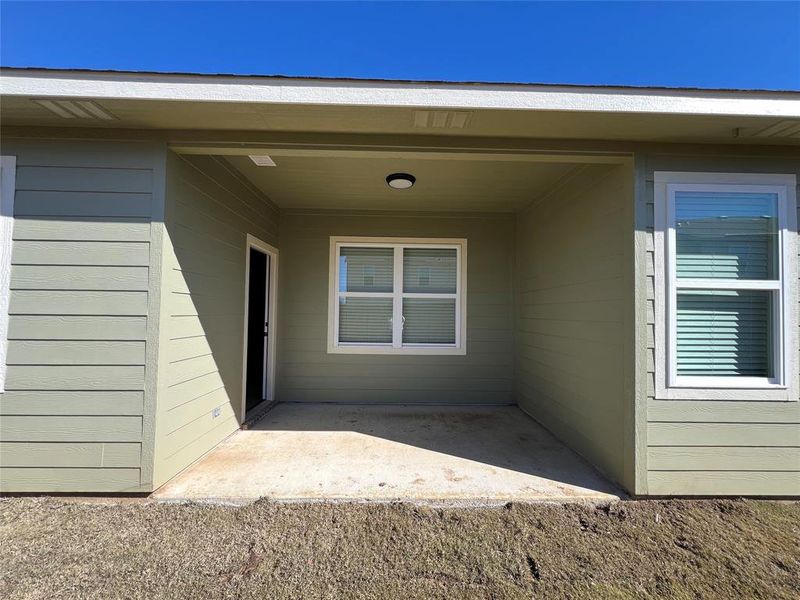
(209, 88)
(272, 301)
(8, 173)
(786, 384)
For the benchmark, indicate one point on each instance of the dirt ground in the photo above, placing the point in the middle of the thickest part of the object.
(50, 548)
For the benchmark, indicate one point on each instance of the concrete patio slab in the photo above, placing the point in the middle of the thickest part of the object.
(414, 453)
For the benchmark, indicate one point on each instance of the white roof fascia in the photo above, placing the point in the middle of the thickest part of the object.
(206, 88)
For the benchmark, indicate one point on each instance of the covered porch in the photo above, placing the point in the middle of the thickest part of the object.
(446, 454)
(530, 374)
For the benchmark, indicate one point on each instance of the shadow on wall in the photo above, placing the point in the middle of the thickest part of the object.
(210, 210)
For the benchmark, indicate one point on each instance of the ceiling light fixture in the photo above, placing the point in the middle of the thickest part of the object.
(262, 160)
(400, 181)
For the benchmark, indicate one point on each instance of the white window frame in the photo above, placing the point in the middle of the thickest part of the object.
(8, 174)
(671, 386)
(397, 295)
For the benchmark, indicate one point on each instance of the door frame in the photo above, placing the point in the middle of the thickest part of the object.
(271, 251)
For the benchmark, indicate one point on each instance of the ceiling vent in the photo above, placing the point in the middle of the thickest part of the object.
(262, 160)
(77, 109)
(781, 129)
(441, 119)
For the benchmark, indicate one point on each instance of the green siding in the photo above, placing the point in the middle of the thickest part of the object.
(307, 373)
(720, 447)
(75, 406)
(210, 210)
(572, 295)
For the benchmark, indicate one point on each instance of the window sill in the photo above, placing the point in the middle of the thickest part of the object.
(407, 350)
(766, 394)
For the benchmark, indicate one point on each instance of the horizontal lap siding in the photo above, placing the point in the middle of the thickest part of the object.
(720, 447)
(307, 373)
(210, 210)
(73, 414)
(571, 300)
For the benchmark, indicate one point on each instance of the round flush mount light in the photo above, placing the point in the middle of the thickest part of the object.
(400, 181)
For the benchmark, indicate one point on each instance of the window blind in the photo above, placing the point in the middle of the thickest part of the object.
(429, 321)
(430, 270)
(366, 269)
(725, 330)
(365, 320)
(724, 333)
(730, 235)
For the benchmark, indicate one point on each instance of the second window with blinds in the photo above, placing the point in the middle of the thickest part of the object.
(397, 296)
(725, 286)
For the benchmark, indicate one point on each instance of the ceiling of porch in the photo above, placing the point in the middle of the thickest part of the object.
(359, 182)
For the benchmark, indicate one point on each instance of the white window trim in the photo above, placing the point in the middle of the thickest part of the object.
(784, 386)
(8, 173)
(460, 346)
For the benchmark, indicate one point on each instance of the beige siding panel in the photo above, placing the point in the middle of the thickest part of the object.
(71, 403)
(17, 428)
(27, 277)
(571, 304)
(25, 479)
(69, 454)
(81, 204)
(194, 409)
(84, 179)
(189, 390)
(713, 411)
(38, 377)
(388, 372)
(53, 152)
(114, 254)
(85, 229)
(661, 458)
(723, 434)
(75, 403)
(199, 427)
(723, 483)
(92, 327)
(401, 396)
(82, 302)
(69, 352)
(209, 213)
(191, 368)
(757, 437)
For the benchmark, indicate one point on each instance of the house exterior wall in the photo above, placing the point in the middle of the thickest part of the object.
(77, 413)
(210, 210)
(572, 293)
(720, 447)
(307, 373)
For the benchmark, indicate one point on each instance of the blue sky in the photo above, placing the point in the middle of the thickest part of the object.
(717, 44)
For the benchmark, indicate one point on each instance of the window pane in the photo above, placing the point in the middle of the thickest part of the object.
(724, 333)
(429, 270)
(728, 235)
(366, 269)
(429, 321)
(365, 320)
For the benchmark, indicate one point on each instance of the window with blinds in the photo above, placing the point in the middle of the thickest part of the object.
(398, 296)
(724, 284)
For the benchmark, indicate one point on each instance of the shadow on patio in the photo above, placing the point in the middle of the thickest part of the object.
(432, 453)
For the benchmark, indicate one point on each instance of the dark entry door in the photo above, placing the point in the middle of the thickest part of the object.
(257, 329)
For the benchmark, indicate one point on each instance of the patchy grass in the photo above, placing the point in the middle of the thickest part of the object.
(651, 549)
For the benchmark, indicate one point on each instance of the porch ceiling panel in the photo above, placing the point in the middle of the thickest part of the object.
(336, 182)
